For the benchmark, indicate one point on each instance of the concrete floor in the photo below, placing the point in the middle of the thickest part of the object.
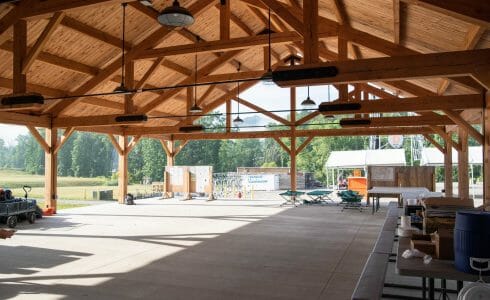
(170, 249)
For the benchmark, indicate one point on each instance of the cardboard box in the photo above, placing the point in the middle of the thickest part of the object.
(444, 244)
(447, 201)
(433, 224)
(424, 246)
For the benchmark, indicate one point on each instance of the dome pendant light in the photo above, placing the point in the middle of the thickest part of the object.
(176, 16)
(237, 121)
(122, 89)
(267, 78)
(308, 103)
(195, 108)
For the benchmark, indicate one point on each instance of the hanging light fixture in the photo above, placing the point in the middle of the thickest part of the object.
(308, 102)
(195, 108)
(122, 88)
(176, 16)
(237, 121)
(267, 78)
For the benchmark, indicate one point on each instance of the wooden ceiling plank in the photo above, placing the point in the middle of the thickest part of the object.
(476, 12)
(473, 36)
(205, 70)
(95, 33)
(443, 64)
(149, 73)
(153, 39)
(42, 40)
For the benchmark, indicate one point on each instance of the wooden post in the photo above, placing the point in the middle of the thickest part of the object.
(228, 115)
(448, 168)
(343, 51)
(310, 21)
(20, 53)
(50, 169)
(123, 169)
(463, 182)
(129, 84)
(486, 151)
(293, 138)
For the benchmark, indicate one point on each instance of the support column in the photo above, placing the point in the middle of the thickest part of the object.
(463, 182)
(293, 138)
(51, 169)
(448, 168)
(486, 151)
(123, 168)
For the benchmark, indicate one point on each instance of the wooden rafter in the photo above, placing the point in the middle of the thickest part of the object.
(115, 143)
(224, 20)
(396, 21)
(263, 111)
(435, 143)
(283, 146)
(39, 138)
(66, 135)
(304, 144)
(465, 125)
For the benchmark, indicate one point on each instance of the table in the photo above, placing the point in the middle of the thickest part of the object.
(442, 269)
(401, 193)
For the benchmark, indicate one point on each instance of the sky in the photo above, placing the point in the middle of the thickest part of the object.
(269, 97)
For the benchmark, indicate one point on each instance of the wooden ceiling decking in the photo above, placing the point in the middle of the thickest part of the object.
(73, 48)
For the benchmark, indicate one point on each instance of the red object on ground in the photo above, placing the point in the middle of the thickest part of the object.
(239, 195)
(48, 212)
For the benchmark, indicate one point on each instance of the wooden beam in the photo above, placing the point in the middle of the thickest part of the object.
(304, 144)
(24, 119)
(434, 143)
(51, 169)
(458, 120)
(473, 36)
(115, 143)
(42, 40)
(299, 133)
(20, 53)
(220, 45)
(339, 12)
(444, 64)
(476, 12)
(396, 21)
(122, 174)
(407, 121)
(94, 33)
(39, 138)
(180, 147)
(307, 118)
(224, 20)
(263, 111)
(463, 180)
(310, 21)
(418, 104)
(448, 168)
(9, 19)
(486, 150)
(283, 146)
(285, 14)
(133, 143)
(66, 135)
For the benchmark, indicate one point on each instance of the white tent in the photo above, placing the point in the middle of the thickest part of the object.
(362, 158)
(434, 157)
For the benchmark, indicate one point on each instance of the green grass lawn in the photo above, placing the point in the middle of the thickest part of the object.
(69, 188)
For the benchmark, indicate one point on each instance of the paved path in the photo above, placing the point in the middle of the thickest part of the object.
(170, 249)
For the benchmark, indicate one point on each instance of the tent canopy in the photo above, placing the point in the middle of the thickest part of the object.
(362, 158)
(433, 157)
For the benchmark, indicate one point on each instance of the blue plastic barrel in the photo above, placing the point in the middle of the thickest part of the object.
(471, 239)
